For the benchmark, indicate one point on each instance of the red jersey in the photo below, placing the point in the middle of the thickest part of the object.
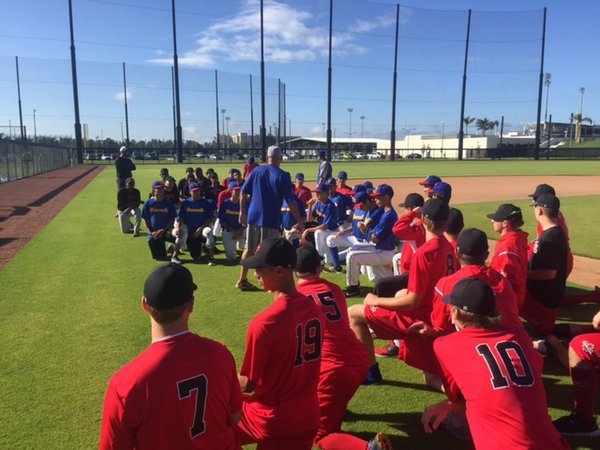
(506, 300)
(413, 235)
(283, 355)
(510, 259)
(179, 393)
(563, 224)
(249, 168)
(304, 194)
(340, 345)
(499, 377)
(346, 190)
(433, 260)
(223, 195)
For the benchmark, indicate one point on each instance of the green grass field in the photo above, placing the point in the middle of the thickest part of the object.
(71, 314)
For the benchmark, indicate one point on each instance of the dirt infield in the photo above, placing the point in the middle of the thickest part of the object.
(29, 204)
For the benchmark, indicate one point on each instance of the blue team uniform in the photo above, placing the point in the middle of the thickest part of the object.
(287, 218)
(195, 214)
(383, 230)
(159, 214)
(229, 215)
(359, 216)
(326, 214)
(268, 186)
(371, 220)
(343, 204)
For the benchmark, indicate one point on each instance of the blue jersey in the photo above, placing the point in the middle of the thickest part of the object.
(358, 217)
(326, 213)
(371, 220)
(159, 214)
(287, 218)
(324, 171)
(383, 230)
(343, 204)
(195, 214)
(229, 215)
(268, 186)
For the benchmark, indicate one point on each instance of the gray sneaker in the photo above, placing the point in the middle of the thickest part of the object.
(380, 442)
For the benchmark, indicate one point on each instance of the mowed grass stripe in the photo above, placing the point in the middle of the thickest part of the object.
(71, 316)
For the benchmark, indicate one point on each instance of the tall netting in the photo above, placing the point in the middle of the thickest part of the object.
(220, 85)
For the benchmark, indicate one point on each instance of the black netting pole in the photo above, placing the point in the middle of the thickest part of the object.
(179, 132)
(78, 139)
(251, 118)
(263, 136)
(19, 100)
(217, 107)
(538, 131)
(126, 111)
(329, 74)
(394, 90)
(461, 133)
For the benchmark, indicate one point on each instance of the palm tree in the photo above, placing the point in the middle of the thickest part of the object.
(483, 125)
(468, 121)
(577, 117)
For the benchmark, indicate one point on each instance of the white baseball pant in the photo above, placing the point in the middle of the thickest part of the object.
(229, 243)
(378, 262)
(125, 220)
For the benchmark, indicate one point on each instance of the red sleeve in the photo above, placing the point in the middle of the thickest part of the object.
(258, 343)
(235, 401)
(115, 433)
(451, 388)
(440, 315)
(418, 278)
(403, 229)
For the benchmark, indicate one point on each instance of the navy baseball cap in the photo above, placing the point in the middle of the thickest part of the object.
(251, 160)
(194, 187)
(323, 187)
(443, 190)
(331, 182)
(359, 188)
(436, 210)
(507, 211)
(343, 175)
(474, 296)
(272, 252)
(232, 185)
(542, 189)
(431, 180)
(158, 185)
(321, 154)
(169, 286)
(383, 189)
(456, 221)
(307, 259)
(412, 200)
(472, 242)
(299, 176)
(361, 197)
(547, 201)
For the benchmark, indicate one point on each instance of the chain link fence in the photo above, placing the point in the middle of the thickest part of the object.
(20, 160)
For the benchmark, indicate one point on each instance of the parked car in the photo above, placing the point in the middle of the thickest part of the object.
(375, 155)
(200, 155)
(137, 155)
(358, 155)
(239, 156)
(414, 156)
(214, 157)
(151, 155)
(105, 157)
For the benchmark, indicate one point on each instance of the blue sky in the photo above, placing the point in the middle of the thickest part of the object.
(223, 36)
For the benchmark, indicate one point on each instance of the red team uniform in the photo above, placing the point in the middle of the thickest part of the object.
(179, 393)
(511, 260)
(433, 260)
(283, 355)
(506, 301)
(344, 364)
(499, 377)
(413, 236)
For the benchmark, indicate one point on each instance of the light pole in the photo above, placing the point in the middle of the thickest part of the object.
(323, 126)
(362, 126)
(580, 121)
(547, 83)
(350, 111)
(223, 121)
(34, 127)
(443, 126)
(227, 119)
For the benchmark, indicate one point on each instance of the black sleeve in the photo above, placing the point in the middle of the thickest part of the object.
(547, 256)
(121, 200)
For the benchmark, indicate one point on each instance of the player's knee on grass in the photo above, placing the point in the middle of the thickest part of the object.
(356, 314)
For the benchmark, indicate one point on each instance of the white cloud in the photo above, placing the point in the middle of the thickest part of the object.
(364, 26)
(120, 96)
(290, 35)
